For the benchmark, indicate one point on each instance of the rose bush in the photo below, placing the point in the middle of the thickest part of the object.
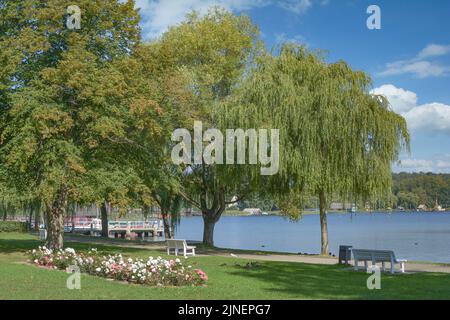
(153, 271)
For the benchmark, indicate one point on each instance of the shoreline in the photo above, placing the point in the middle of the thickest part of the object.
(226, 252)
(342, 212)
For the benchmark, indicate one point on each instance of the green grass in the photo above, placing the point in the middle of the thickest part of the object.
(270, 280)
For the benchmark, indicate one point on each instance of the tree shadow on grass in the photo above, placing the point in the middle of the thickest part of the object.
(308, 281)
(8, 246)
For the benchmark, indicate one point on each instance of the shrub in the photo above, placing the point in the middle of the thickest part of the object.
(152, 272)
(13, 226)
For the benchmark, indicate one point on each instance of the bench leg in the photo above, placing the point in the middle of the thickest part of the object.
(168, 251)
(193, 252)
(384, 266)
(402, 266)
(356, 265)
(392, 268)
(185, 252)
(366, 265)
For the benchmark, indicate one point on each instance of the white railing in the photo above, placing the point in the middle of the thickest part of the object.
(134, 225)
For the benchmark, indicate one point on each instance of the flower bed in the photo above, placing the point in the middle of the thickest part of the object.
(153, 272)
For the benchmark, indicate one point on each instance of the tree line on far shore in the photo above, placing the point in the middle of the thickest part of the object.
(410, 190)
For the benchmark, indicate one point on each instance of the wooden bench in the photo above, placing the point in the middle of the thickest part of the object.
(377, 256)
(180, 245)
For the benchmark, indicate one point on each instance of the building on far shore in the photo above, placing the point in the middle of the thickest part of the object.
(253, 211)
(422, 207)
(338, 206)
(438, 207)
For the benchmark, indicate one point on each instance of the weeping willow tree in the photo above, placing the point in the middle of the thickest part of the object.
(335, 137)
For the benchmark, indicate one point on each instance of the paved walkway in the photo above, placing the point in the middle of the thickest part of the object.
(411, 267)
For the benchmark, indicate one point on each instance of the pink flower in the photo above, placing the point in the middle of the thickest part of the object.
(201, 274)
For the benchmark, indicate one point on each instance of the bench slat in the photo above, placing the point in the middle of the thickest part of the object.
(376, 256)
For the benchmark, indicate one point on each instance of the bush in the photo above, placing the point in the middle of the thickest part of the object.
(13, 226)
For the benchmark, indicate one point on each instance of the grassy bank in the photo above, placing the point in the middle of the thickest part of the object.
(229, 279)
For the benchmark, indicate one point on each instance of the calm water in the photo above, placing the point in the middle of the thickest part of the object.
(412, 236)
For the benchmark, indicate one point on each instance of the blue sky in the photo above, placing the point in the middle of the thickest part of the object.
(408, 58)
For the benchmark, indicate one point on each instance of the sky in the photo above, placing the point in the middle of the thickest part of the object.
(408, 58)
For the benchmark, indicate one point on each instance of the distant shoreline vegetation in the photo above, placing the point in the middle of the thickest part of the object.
(411, 192)
(235, 213)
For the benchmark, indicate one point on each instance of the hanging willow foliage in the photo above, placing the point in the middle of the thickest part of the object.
(335, 137)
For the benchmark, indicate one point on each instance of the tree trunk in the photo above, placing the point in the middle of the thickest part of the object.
(30, 220)
(55, 221)
(211, 216)
(208, 231)
(167, 231)
(323, 224)
(104, 216)
(37, 218)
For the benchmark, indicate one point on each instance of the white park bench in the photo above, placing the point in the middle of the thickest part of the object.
(180, 245)
(377, 256)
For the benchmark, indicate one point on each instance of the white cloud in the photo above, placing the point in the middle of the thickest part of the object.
(415, 165)
(158, 15)
(298, 39)
(421, 69)
(296, 6)
(401, 100)
(434, 50)
(438, 164)
(431, 117)
(420, 65)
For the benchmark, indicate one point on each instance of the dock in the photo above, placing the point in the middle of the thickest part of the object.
(142, 229)
(118, 229)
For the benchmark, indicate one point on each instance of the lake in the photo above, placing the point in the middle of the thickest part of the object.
(413, 236)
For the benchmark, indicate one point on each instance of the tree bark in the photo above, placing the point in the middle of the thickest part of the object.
(104, 215)
(30, 220)
(55, 220)
(323, 224)
(167, 230)
(208, 231)
(37, 218)
(211, 215)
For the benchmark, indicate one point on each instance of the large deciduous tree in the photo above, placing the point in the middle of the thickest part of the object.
(63, 98)
(335, 137)
(214, 50)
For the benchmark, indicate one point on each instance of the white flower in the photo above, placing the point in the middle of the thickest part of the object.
(70, 250)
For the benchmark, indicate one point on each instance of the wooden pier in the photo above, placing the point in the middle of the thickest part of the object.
(142, 229)
(118, 229)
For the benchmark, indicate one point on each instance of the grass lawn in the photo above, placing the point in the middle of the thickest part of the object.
(270, 280)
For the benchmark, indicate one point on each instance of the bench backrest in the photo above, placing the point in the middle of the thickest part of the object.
(375, 255)
(174, 243)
